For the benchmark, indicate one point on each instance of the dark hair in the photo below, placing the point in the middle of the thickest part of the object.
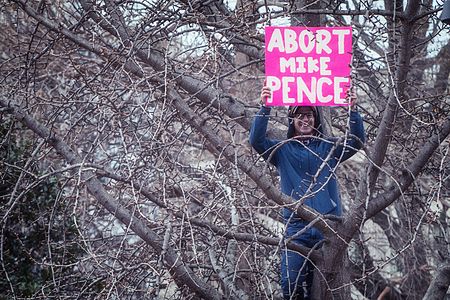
(292, 112)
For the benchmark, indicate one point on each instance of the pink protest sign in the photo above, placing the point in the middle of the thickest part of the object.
(308, 66)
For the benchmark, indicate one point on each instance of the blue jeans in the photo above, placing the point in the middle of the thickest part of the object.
(296, 272)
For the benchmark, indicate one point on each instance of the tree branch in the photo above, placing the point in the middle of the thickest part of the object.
(182, 274)
(226, 233)
(439, 286)
(410, 174)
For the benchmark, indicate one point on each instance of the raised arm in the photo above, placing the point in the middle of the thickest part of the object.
(355, 140)
(258, 138)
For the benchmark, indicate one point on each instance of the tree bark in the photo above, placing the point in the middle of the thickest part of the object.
(439, 285)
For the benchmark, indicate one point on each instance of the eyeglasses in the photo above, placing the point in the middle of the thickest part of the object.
(301, 116)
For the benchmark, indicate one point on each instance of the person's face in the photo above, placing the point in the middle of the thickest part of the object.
(304, 121)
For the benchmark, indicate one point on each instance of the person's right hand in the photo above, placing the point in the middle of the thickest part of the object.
(266, 93)
(351, 98)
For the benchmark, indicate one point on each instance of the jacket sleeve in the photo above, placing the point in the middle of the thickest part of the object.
(258, 139)
(355, 141)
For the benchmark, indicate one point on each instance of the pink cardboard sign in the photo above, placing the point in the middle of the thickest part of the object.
(308, 66)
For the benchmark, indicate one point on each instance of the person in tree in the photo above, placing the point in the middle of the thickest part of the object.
(306, 165)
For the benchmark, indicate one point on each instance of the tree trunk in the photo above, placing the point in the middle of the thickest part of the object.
(439, 286)
(331, 277)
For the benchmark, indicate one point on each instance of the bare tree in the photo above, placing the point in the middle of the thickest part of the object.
(143, 109)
